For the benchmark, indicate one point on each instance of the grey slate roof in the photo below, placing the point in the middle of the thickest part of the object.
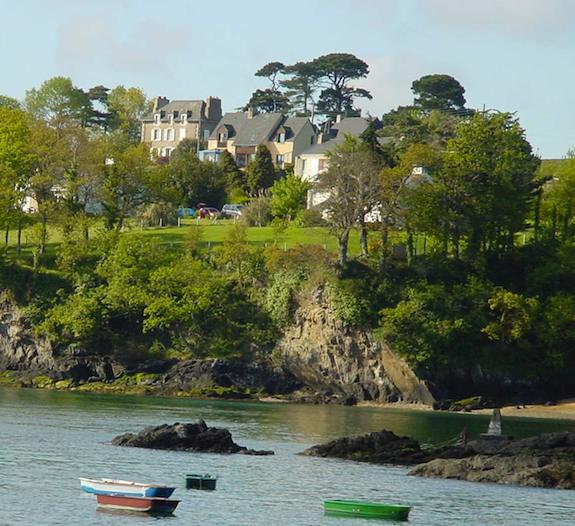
(353, 126)
(232, 121)
(193, 107)
(293, 126)
(258, 129)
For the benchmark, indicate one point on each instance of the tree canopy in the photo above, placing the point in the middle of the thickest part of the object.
(438, 92)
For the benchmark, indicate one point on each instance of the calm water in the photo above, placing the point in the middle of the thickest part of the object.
(48, 440)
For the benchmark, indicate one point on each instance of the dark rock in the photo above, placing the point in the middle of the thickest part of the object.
(381, 447)
(185, 437)
(465, 405)
(546, 461)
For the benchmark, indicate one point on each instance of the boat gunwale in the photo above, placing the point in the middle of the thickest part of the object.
(123, 483)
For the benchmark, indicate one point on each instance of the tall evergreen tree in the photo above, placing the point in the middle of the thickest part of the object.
(234, 177)
(260, 172)
(336, 70)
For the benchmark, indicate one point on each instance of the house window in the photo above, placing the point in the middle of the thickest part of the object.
(303, 166)
(169, 135)
(281, 137)
(222, 137)
(279, 159)
(157, 118)
(156, 134)
(168, 151)
(207, 134)
(322, 165)
(182, 133)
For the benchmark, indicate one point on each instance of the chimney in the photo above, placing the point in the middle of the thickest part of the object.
(251, 112)
(213, 111)
(159, 102)
(338, 117)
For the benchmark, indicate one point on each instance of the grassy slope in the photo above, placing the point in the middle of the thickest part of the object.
(212, 235)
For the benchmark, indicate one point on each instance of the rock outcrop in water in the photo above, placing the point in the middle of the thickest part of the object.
(186, 437)
(544, 461)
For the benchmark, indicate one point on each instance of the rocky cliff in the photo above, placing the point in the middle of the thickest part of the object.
(317, 352)
(324, 354)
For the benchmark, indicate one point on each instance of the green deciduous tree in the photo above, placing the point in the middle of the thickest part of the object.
(289, 196)
(127, 107)
(483, 193)
(126, 174)
(9, 102)
(558, 203)
(194, 181)
(60, 103)
(352, 183)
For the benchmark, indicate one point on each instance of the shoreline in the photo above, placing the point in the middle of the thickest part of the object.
(563, 410)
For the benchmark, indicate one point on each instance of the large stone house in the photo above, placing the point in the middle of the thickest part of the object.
(171, 121)
(240, 133)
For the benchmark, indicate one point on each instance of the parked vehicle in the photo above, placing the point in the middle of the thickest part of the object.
(209, 212)
(231, 211)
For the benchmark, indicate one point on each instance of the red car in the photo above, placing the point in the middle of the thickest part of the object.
(208, 211)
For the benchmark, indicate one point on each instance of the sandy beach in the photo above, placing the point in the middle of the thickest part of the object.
(564, 410)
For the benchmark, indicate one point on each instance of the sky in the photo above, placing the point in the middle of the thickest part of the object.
(510, 55)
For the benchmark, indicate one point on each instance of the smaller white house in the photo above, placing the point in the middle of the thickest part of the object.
(313, 161)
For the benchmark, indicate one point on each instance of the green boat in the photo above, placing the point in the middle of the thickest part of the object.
(368, 510)
(195, 481)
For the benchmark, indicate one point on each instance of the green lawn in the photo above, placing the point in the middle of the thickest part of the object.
(213, 234)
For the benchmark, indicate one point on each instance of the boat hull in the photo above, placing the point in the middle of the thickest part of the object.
(368, 510)
(142, 504)
(124, 487)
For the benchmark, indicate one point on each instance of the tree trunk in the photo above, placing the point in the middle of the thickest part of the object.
(19, 238)
(410, 247)
(384, 251)
(363, 239)
(43, 235)
(343, 240)
(6, 237)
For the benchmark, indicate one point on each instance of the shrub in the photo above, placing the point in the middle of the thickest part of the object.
(258, 212)
(152, 214)
(309, 217)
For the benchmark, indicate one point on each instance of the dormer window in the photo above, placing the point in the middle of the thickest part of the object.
(281, 136)
(157, 118)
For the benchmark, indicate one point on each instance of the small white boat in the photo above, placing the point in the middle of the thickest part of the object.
(125, 488)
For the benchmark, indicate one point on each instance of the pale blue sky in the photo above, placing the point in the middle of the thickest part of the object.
(513, 55)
